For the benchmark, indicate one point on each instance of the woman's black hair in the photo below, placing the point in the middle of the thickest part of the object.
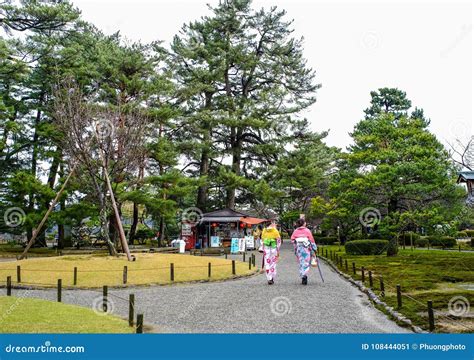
(300, 222)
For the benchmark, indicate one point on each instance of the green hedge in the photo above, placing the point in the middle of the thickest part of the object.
(469, 233)
(442, 241)
(462, 235)
(404, 238)
(366, 247)
(328, 240)
(421, 242)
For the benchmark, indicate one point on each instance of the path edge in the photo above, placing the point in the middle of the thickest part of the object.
(375, 299)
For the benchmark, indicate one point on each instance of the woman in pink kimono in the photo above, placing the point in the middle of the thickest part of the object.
(305, 247)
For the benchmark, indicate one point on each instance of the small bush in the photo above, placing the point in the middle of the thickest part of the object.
(442, 241)
(328, 240)
(404, 238)
(143, 234)
(421, 242)
(461, 235)
(366, 247)
(470, 233)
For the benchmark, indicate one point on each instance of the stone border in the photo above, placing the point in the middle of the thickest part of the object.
(374, 298)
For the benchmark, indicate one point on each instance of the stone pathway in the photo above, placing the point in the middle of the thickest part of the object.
(246, 305)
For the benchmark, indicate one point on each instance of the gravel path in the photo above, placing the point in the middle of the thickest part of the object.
(247, 305)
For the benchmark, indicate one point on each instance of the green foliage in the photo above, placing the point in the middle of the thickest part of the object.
(144, 234)
(326, 240)
(366, 247)
(442, 241)
(407, 237)
(469, 233)
(421, 242)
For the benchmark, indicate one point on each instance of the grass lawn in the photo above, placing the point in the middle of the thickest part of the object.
(22, 315)
(423, 275)
(97, 270)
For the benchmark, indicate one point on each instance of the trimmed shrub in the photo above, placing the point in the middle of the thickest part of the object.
(461, 235)
(328, 240)
(143, 234)
(470, 233)
(421, 242)
(404, 238)
(442, 241)
(366, 247)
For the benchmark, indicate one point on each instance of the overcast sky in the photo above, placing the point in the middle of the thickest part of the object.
(423, 48)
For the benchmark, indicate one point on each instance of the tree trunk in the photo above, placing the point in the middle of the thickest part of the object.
(236, 160)
(201, 202)
(133, 227)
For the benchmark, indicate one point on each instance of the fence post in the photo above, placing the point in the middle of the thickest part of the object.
(75, 276)
(382, 287)
(18, 273)
(243, 257)
(104, 298)
(250, 263)
(347, 266)
(209, 270)
(399, 296)
(172, 272)
(371, 281)
(131, 308)
(354, 268)
(225, 255)
(362, 270)
(139, 323)
(9, 286)
(60, 289)
(431, 315)
(253, 260)
(233, 267)
(125, 274)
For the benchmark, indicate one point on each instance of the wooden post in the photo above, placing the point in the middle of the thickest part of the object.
(371, 281)
(243, 257)
(362, 271)
(233, 267)
(125, 274)
(250, 263)
(18, 274)
(104, 297)
(131, 309)
(225, 254)
(60, 289)
(9, 286)
(172, 272)
(253, 260)
(209, 270)
(75, 276)
(139, 323)
(399, 296)
(354, 268)
(347, 266)
(382, 287)
(431, 316)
